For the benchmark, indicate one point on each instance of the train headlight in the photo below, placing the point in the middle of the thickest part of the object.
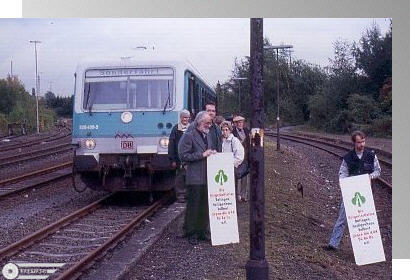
(126, 117)
(90, 144)
(163, 142)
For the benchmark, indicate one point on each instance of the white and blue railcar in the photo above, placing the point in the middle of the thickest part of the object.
(123, 113)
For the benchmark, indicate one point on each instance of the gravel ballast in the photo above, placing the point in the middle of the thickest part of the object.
(296, 228)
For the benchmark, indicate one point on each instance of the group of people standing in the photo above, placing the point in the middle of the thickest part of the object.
(189, 146)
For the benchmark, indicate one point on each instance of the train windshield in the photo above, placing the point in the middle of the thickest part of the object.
(128, 89)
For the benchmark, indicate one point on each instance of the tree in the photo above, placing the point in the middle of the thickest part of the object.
(11, 90)
(50, 99)
(343, 60)
(373, 56)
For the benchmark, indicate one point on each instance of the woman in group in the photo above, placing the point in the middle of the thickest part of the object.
(232, 144)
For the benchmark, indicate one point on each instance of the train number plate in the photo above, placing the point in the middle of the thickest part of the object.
(127, 145)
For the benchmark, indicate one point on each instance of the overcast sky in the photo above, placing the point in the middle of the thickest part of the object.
(210, 44)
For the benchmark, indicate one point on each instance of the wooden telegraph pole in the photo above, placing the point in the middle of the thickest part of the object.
(257, 267)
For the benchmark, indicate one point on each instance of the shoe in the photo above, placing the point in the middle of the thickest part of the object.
(244, 199)
(329, 248)
(204, 237)
(193, 240)
(239, 198)
(182, 235)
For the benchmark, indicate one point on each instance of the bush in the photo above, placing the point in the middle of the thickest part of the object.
(362, 109)
(381, 127)
(340, 123)
(3, 124)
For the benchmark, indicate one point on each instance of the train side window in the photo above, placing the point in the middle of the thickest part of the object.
(196, 98)
(203, 97)
(190, 94)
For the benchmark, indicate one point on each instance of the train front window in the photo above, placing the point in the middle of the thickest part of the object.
(128, 92)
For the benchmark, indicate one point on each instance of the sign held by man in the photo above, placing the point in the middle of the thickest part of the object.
(223, 218)
(362, 219)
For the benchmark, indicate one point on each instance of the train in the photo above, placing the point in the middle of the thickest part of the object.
(124, 110)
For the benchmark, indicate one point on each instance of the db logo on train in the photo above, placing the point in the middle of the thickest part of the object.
(127, 145)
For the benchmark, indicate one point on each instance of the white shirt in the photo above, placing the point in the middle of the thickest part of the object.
(233, 145)
(344, 170)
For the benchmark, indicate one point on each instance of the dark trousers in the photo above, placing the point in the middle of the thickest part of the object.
(196, 215)
(180, 190)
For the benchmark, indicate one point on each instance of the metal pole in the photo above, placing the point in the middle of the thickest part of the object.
(257, 267)
(277, 101)
(37, 85)
(282, 47)
(240, 102)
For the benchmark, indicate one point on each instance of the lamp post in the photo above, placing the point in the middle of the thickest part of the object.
(277, 48)
(37, 81)
(240, 79)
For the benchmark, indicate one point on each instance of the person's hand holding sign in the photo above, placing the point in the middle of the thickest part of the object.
(209, 152)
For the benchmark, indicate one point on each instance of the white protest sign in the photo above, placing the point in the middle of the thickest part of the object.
(223, 219)
(362, 219)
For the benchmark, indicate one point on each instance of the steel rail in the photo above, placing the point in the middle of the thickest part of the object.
(382, 181)
(31, 143)
(44, 232)
(15, 159)
(36, 173)
(7, 191)
(388, 163)
(76, 270)
(309, 136)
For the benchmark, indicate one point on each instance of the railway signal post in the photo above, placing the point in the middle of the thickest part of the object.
(257, 267)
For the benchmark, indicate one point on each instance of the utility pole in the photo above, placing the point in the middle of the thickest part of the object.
(11, 68)
(277, 48)
(36, 79)
(257, 267)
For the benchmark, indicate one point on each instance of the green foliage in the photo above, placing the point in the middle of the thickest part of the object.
(373, 56)
(341, 122)
(11, 91)
(381, 127)
(63, 106)
(3, 123)
(17, 105)
(362, 109)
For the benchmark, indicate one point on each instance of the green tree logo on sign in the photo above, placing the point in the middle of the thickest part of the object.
(358, 199)
(221, 177)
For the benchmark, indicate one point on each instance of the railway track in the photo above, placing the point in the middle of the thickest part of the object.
(80, 238)
(35, 179)
(307, 141)
(380, 152)
(32, 155)
(344, 146)
(49, 138)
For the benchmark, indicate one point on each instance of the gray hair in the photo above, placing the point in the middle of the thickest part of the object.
(227, 124)
(200, 118)
(184, 113)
